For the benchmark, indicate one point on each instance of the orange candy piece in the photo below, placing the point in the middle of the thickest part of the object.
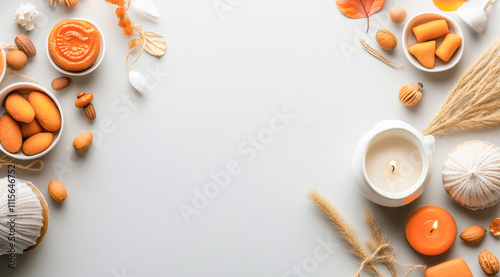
(495, 226)
(74, 44)
(424, 52)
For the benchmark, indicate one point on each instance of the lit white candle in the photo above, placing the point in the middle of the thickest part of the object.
(392, 163)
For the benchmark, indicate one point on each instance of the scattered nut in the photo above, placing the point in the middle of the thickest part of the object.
(473, 234)
(61, 83)
(398, 14)
(488, 262)
(386, 39)
(84, 102)
(16, 59)
(57, 191)
(68, 3)
(495, 226)
(83, 141)
(25, 44)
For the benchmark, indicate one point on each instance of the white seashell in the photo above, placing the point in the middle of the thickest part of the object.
(146, 8)
(31, 216)
(26, 16)
(471, 174)
(137, 80)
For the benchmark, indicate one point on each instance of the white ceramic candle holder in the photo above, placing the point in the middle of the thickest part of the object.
(393, 129)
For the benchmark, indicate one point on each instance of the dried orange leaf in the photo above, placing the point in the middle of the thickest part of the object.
(495, 226)
(154, 44)
(360, 8)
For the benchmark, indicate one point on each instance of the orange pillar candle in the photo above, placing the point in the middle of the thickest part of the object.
(431, 230)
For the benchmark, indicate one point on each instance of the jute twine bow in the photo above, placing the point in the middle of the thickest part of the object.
(389, 257)
(33, 166)
(14, 72)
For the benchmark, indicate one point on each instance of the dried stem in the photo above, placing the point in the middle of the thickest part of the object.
(379, 55)
(474, 100)
(379, 239)
(345, 230)
(14, 72)
(8, 46)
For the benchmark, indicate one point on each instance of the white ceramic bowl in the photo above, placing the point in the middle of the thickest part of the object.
(409, 39)
(26, 87)
(88, 70)
(4, 67)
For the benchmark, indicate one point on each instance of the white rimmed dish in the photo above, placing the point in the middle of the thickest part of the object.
(23, 88)
(409, 39)
(88, 70)
(4, 67)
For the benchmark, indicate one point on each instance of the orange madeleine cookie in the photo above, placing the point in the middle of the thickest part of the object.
(46, 111)
(38, 143)
(29, 129)
(74, 44)
(10, 134)
(19, 108)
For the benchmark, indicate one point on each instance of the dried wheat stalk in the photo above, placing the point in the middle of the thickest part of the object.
(345, 230)
(379, 55)
(379, 239)
(474, 101)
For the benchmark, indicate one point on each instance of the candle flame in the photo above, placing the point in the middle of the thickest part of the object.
(434, 226)
(393, 164)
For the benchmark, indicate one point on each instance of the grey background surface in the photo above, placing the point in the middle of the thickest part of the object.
(223, 79)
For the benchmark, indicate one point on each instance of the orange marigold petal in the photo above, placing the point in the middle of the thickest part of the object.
(495, 226)
(120, 12)
(133, 43)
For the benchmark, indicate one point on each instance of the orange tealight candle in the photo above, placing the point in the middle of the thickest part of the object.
(431, 230)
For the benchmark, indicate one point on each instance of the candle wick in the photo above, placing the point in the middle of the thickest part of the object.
(393, 168)
(432, 230)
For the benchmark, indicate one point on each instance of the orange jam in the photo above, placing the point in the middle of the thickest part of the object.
(448, 5)
(1, 63)
(74, 44)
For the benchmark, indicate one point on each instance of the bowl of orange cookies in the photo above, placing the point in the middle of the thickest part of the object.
(31, 121)
(432, 42)
(75, 46)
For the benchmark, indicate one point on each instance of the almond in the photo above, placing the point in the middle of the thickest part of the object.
(473, 234)
(83, 141)
(57, 191)
(61, 83)
(25, 44)
(489, 263)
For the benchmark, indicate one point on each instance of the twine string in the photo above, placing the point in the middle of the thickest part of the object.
(8, 46)
(36, 165)
(389, 256)
(14, 72)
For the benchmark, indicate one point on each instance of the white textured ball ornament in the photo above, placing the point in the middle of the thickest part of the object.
(137, 80)
(471, 174)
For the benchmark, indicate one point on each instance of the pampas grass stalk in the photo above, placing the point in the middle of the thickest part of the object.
(474, 101)
(345, 230)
